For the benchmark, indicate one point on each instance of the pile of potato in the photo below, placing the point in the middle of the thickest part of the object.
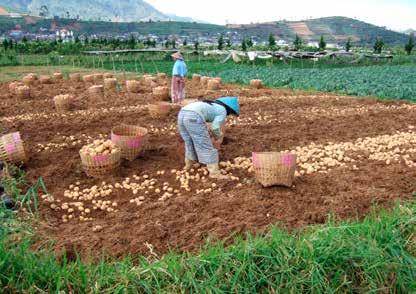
(100, 147)
(66, 142)
(79, 113)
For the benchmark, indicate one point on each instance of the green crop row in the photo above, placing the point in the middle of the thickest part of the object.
(390, 82)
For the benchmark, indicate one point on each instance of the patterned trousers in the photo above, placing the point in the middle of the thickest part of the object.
(194, 132)
(178, 89)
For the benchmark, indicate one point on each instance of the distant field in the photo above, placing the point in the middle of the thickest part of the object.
(394, 82)
(387, 80)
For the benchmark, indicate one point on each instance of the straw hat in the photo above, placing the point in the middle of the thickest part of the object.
(177, 55)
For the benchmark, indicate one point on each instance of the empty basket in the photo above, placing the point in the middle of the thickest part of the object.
(274, 168)
(12, 149)
(130, 139)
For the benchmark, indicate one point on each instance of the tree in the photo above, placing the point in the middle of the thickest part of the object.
(322, 44)
(378, 46)
(272, 41)
(410, 44)
(298, 43)
(132, 42)
(249, 43)
(196, 45)
(244, 45)
(221, 43)
(5, 44)
(348, 45)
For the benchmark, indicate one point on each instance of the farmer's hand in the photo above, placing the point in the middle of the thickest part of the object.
(217, 144)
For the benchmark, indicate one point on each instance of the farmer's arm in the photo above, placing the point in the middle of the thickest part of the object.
(217, 124)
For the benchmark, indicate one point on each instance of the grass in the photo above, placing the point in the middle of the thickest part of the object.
(374, 255)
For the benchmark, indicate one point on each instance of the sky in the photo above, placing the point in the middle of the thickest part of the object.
(394, 14)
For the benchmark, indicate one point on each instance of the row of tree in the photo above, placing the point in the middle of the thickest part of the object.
(77, 46)
(299, 44)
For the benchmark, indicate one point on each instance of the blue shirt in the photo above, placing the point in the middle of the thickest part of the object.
(179, 69)
(211, 113)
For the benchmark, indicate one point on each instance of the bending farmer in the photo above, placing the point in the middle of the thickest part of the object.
(192, 123)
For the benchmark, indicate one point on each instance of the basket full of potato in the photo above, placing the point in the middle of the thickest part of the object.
(102, 157)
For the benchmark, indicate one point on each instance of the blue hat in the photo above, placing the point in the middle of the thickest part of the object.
(232, 103)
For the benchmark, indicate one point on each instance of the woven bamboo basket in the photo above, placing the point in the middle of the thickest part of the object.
(110, 84)
(196, 78)
(45, 80)
(161, 94)
(160, 109)
(162, 76)
(130, 139)
(98, 78)
(88, 78)
(12, 148)
(150, 81)
(213, 85)
(108, 75)
(63, 102)
(256, 84)
(30, 79)
(58, 76)
(96, 93)
(204, 81)
(23, 92)
(75, 77)
(133, 86)
(101, 164)
(218, 79)
(274, 168)
(13, 86)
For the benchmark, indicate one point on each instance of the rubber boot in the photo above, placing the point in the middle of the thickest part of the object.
(215, 173)
(189, 164)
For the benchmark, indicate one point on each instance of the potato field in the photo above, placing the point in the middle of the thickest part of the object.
(351, 154)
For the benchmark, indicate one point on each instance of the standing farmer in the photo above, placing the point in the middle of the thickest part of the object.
(192, 123)
(178, 78)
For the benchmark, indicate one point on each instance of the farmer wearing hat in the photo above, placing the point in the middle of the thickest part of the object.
(178, 78)
(192, 123)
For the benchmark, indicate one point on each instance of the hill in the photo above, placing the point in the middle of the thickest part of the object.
(93, 10)
(334, 29)
(37, 24)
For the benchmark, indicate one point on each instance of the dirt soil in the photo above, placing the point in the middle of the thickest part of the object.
(186, 222)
